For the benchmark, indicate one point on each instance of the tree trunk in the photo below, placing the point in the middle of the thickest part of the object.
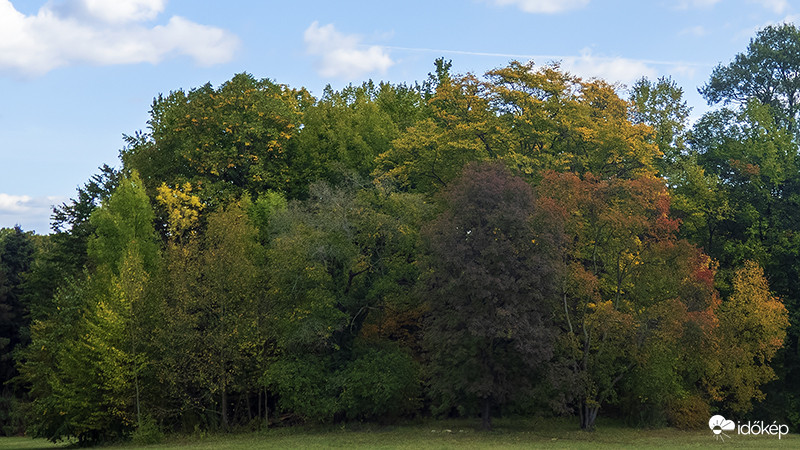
(249, 409)
(486, 419)
(588, 414)
(224, 407)
(266, 408)
(138, 408)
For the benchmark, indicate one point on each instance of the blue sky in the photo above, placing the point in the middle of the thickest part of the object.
(77, 74)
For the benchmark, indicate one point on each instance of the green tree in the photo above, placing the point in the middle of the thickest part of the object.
(431, 153)
(753, 151)
(555, 121)
(16, 258)
(226, 141)
(660, 105)
(63, 254)
(344, 131)
(491, 281)
(700, 200)
(124, 221)
(229, 304)
(212, 336)
(765, 72)
(341, 270)
(45, 362)
(117, 335)
(534, 119)
(95, 364)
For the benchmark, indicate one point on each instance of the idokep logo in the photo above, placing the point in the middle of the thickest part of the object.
(719, 425)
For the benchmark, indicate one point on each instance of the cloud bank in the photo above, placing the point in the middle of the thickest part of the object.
(31, 213)
(343, 56)
(103, 32)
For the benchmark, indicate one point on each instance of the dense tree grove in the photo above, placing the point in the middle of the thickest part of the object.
(526, 242)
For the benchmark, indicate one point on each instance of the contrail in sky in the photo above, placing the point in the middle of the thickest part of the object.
(545, 57)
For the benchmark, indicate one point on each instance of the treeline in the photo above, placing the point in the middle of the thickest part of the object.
(527, 242)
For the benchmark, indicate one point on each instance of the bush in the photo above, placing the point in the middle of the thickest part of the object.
(689, 413)
(12, 415)
(377, 384)
(380, 384)
(304, 386)
(148, 432)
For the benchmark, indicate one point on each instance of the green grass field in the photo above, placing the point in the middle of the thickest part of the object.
(456, 434)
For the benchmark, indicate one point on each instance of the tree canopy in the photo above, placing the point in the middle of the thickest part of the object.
(521, 242)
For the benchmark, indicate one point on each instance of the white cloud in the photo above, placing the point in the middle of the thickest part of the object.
(343, 56)
(749, 33)
(13, 203)
(698, 31)
(103, 33)
(776, 6)
(616, 69)
(683, 71)
(115, 11)
(126, 10)
(791, 19)
(32, 213)
(695, 4)
(544, 6)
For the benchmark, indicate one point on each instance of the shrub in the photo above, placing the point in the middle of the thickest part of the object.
(381, 383)
(689, 413)
(304, 386)
(147, 432)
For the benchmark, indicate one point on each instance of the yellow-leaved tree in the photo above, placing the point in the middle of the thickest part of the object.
(753, 326)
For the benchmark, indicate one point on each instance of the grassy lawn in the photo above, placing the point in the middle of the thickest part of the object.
(8, 443)
(456, 434)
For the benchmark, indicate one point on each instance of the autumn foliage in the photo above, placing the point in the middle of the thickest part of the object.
(527, 242)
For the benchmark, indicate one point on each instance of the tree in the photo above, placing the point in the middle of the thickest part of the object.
(432, 152)
(753, 326)
(16, 258)
(344, 131)
(124, 221)
(630, 297)
(540, 109)
(534, 119)
(555, 121)
(766, 72)
(701, 201)
(226, 141)
(660, 105)
(341, 269)
(213, 331)
(63, 254)
(491, 279)
(44, 365)
(229, 304)
(117, 335)
(752, 149)
(96, 362)
(748, 185)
